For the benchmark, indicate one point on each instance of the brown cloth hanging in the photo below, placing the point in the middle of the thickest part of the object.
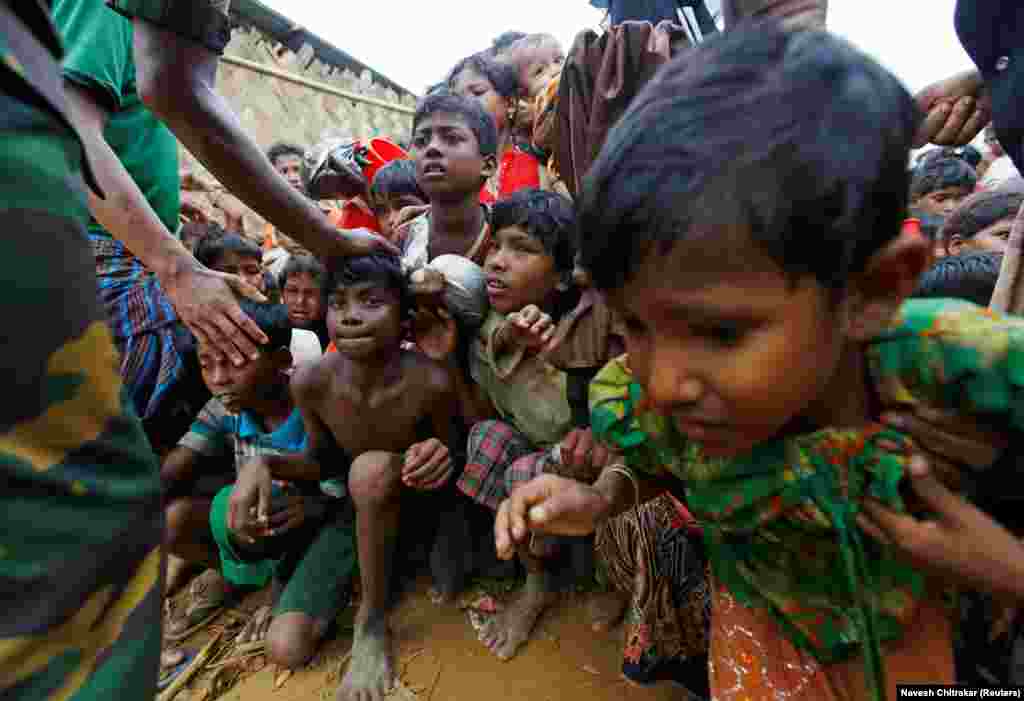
(602, 75)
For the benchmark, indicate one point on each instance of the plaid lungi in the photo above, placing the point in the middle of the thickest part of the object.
(147, 331)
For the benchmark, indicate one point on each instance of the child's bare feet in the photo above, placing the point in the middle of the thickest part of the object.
(371, 673)
(606, 609)
(509, 629)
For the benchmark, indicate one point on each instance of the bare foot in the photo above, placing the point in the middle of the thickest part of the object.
(510, 629)
(606, 609)
(371, 673)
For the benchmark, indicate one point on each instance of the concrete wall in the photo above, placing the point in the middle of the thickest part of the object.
(272, 110)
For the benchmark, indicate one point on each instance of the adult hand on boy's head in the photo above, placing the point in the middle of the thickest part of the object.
(580, 451)
(249, 505)
(960, 542)
(435, 333)
(427, 465)
(956, 109)
(547, 504)
(206, 302)
(530, 328)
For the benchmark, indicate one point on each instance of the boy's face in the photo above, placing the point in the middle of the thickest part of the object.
(472, 85)
(537, 63)
(448, 159)
(290, 166)
(364, 320)
(942, 202)
(519, 271)
(301, 294)
(993, 237)
(727, 346)
(238, 386)
(387, 209)
(246, 267)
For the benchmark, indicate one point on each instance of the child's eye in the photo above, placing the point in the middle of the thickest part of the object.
(721, 334)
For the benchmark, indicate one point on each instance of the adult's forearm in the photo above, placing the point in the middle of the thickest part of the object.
(176, 80)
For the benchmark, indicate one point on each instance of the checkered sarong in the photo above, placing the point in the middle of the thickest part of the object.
(500, 458)
(146, 328)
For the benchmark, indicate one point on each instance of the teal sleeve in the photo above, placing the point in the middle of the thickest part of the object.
(98, 49)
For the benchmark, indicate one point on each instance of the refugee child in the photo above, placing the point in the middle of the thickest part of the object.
(306, 545)
(761, 281)
(528, 283)
(982, 222)
(453, 146)
(232, 254)
(940, 184)
(302, 291)
(495, 86)
(394, 188)
(380, 417)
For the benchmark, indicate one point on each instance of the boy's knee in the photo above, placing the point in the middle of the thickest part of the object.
(292, 640)
(375, 476)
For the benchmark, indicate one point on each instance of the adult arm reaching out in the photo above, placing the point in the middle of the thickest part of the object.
(176, 78)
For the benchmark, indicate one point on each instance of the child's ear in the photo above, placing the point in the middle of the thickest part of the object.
(955, 246)
(875, 295)
(490, 166)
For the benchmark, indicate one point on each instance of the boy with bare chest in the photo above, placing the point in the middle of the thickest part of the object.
(381, 417)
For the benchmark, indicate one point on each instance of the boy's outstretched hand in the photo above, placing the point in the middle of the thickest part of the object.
(427, 465)
(249, 506)
(961, 542)
(530, 328)
(581, 451)
(548, 504)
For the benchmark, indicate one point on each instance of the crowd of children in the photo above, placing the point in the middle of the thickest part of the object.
(685, 390)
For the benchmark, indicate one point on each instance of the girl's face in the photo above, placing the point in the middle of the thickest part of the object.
(519, 271)
(727, 346)
(537, 63)
(474, 86)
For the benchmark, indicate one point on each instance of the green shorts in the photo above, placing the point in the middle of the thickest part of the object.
(205, 22)
(314, 564)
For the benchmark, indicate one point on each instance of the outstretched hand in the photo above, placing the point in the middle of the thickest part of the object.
(960, 542)
(530, 328)
(206, 303)
(956, 110)
(547, 504)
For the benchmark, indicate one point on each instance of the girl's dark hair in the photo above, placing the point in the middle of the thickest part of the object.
(939, 172)
(503, 42)
(797, 137)
(211, 249)
(980, 211)
(272, 320)
(297, 265)
(476, 119)
(395, 179)
(500, 75)
(971, 276)
(382, 269)
(546, 216)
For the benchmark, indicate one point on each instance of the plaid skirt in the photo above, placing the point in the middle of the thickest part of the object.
(147, 332)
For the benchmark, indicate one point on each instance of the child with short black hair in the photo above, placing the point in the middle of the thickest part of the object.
(233, 254)
(754, 248)
(382, 420)
(940, 184)
(302, 291)
(495, 86)
(394, 188)
(287, 160)
(305, 545)
(454, 142)
(982, 222)
(538, 59)
(971, 276)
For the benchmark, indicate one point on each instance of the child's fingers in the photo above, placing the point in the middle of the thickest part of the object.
(940, 500)
(432, 465)
(568, 446)
(869, 527)
(504, 544)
